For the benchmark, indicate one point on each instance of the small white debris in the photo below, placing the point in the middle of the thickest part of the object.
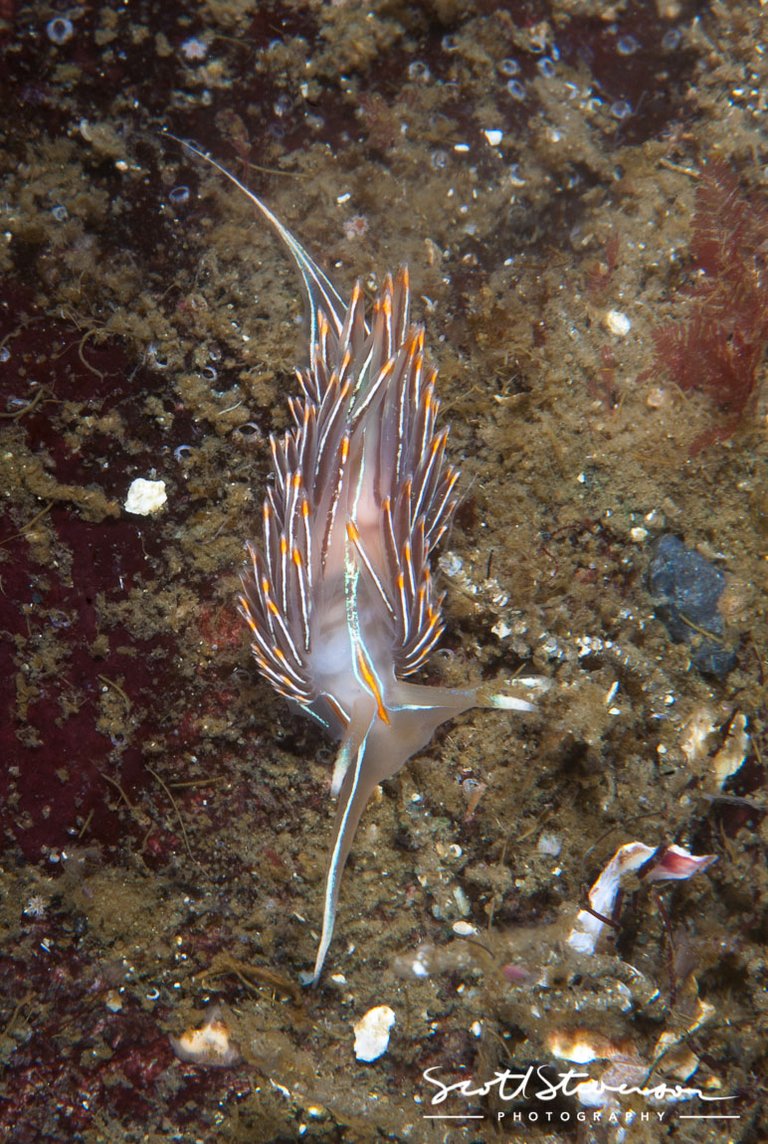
(462, 901)
(463, 929)
(549, 844)
(450, 564)
(194, 49)
(538, 684)
(705, 1011)
(582, 1046)
(730, 758)
(638, 535)
(59, 30)
(510, 703)
(494, 137)
(113, 1001)
(617, 323)
(35, 907)
(697, 733)
(502, 629)
(657, 397)
(598, 1092)
(372, 1033)
(145, 497)
(461, 148)
(210, 1046)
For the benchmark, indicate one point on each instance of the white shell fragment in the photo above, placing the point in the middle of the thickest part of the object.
(671, 863)
(617, 323)
(584, 1045)
(679, 1061)
(372, 1033)
(695, 743)
(145, 497)
(209, 1046)
(731, 756)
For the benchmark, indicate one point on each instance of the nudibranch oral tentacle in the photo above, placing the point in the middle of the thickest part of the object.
(338, 597)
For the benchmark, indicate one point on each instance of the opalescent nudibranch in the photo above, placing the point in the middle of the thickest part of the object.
(338, 595)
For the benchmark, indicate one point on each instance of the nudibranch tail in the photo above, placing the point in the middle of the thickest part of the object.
(339, 596)
(374, 752)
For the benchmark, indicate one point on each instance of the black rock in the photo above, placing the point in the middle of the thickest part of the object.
(686, 589)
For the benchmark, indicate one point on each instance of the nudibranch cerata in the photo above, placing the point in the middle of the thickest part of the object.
(338, 595)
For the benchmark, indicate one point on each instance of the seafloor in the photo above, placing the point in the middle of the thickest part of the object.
(580, 190)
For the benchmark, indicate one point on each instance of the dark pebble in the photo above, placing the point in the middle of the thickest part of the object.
(686, 589)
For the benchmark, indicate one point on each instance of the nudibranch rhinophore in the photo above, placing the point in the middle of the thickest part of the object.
(339, 597)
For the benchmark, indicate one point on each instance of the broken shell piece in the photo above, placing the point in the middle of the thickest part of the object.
(617, 323)
(680, 1063)
(695, 743)
(662, 863)
(668, 1041)
(673, 864)
(372, 1033)
(209, 1046)
(730, 758)
(584, 1045)
(629, 1072)
(145, 497)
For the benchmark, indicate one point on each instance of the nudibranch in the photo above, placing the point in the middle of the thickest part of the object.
(338, 595)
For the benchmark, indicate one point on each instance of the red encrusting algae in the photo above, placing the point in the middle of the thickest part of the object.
(719, 348)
